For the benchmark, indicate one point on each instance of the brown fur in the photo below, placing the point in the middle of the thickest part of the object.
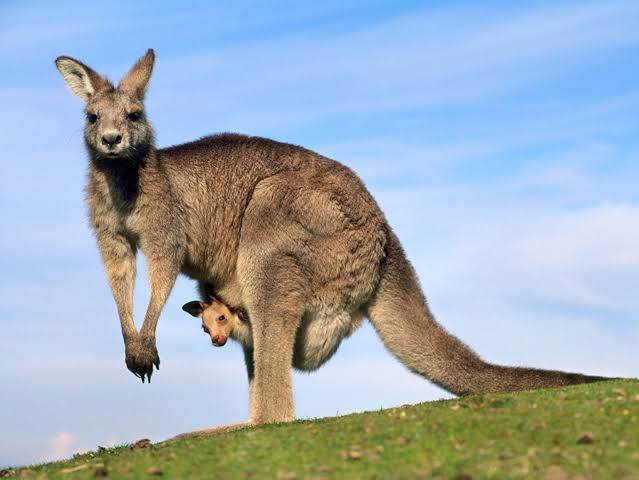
(292, 237)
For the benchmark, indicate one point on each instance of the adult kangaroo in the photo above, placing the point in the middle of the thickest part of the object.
(292, 237)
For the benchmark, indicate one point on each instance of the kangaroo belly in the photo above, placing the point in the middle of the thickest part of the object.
(319, 336)
(317, 339)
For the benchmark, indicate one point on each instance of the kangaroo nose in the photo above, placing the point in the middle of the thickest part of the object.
(219, 340)
(111, 139)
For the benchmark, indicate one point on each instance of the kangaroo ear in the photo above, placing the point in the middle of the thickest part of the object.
(80, 79)
(195, 308)
(137, 79)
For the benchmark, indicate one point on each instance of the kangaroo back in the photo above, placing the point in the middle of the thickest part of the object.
(401, 316)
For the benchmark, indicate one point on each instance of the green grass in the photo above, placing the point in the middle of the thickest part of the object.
(528, 434)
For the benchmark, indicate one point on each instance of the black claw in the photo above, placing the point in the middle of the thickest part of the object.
(142, 376)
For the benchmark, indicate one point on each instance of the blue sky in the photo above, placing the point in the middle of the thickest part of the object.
(501, 140)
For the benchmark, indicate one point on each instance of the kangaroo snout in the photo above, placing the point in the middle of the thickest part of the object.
(111, 139)
(218, 340)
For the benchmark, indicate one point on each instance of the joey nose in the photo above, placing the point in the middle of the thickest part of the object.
(219, 340)
(111, 139)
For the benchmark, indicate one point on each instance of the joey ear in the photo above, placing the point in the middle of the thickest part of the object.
(81, 80)
(137, 79)
(195, 308)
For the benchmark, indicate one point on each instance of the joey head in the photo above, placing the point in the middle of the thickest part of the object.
(218, 321)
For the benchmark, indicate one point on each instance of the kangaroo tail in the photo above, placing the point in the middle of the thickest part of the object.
(400, 315)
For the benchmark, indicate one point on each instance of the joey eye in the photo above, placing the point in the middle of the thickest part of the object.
(221, 318)
(92, 118)
(206, 330)
(134, 116)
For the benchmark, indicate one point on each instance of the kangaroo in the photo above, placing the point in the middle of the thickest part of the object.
(220, 321)
(289, 235)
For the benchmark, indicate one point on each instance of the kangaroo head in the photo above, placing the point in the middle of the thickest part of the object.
(116, 125)
(218, 321)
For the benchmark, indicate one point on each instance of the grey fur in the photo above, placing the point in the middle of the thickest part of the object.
(292, 237)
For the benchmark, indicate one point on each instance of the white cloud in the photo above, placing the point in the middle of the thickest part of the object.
(62, 445)
(574, 258)
(601, 237)
(550, 248)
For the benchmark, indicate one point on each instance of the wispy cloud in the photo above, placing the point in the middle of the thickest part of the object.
(424, 60)
(60, 446)
(555, 248)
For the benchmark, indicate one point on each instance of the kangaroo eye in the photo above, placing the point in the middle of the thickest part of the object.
(134, 116)
(92, 117)
(221, 318)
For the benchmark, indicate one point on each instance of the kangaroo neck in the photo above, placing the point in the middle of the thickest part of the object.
(123, 175)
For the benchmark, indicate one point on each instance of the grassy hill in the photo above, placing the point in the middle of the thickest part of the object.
(589, 431)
